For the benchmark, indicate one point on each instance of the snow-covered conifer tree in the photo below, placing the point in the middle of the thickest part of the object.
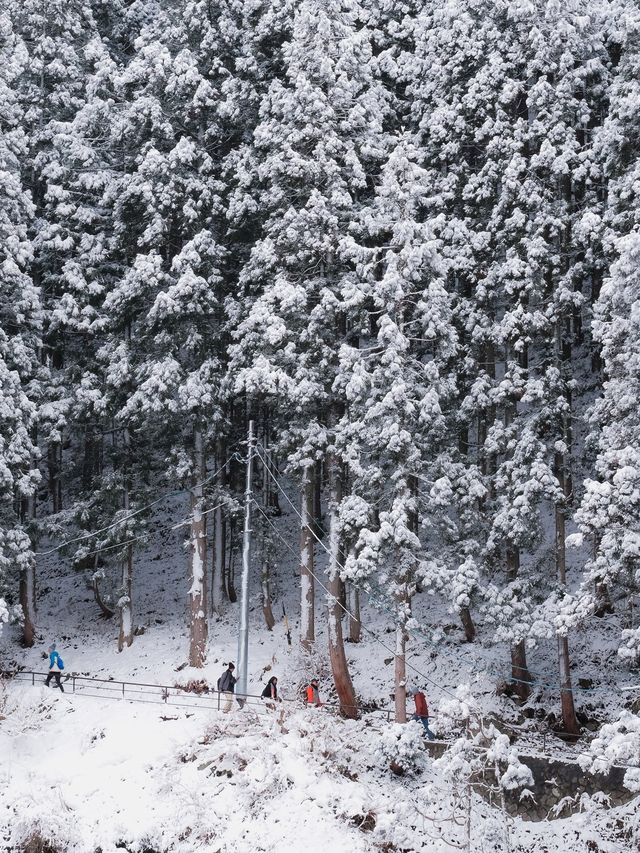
(20, 342)
(320, 125)
(397, 385)
(610, 508)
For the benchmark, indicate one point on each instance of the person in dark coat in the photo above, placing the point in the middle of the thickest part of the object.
(226, 685)
(270, 693)
(422, 712)
(55, 667)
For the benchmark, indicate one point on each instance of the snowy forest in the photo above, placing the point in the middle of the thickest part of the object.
(401, 239)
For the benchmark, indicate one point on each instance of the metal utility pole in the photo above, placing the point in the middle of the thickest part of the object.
(243, 637)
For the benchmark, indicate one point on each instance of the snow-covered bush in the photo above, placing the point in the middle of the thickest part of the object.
(480, 747)
(45, 824)
(401, 747)
(630, 649)
(617, 744)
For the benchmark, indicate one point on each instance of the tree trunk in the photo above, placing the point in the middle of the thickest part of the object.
(569, 718)
(91, 464)
(265, 594)
(27, 585)
(467, 624)
(318, 529)
(400, 686)
(307, 585)
(603, 605)
(519, 669)
(355, 625)
(265, 574)
(491, 416)
(107, 612)
(231, 566)
(487, 416)
(274, 494)
(219, 542)
(125, 601)
(563, 475)
(465, 613)
(217, 579)
(596, 348)
(339, 667)
(53, 456)
(197, 559)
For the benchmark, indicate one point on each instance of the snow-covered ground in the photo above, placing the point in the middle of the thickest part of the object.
(88, 773)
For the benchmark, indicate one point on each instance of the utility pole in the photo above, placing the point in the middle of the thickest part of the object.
(243, 637)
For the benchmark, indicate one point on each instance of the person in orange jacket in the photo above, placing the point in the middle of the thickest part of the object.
(312, 693)
(422, 711)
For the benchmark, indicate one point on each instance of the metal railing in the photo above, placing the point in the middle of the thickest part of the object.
(176, 696)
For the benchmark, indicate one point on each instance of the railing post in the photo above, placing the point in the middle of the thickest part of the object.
(73, 684)
(33, 679)
(123, 689)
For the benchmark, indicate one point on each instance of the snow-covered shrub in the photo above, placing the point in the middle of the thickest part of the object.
(26, 709)
(480, 747)
(45, 825)
(617, 743)
(401, 747)
(630, 649)
(511, 772)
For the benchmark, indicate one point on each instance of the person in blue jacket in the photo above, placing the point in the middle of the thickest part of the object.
(55, 667)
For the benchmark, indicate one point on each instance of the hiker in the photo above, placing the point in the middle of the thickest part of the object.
(422, 711)
(226, 685)
(312, 693)
(270, 693)
(55, 667)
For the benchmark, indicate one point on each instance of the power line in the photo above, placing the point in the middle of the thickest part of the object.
(145, 535)
(418, 631)
(365, 628)
(136, 512)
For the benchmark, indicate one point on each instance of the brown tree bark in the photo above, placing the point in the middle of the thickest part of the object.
(467, 624)
(339, 666)
(519, 669)
(355, 625)
(569, 718)
(107, 611)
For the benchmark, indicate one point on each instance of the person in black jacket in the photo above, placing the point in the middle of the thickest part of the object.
(270, 693)
(226, 685)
